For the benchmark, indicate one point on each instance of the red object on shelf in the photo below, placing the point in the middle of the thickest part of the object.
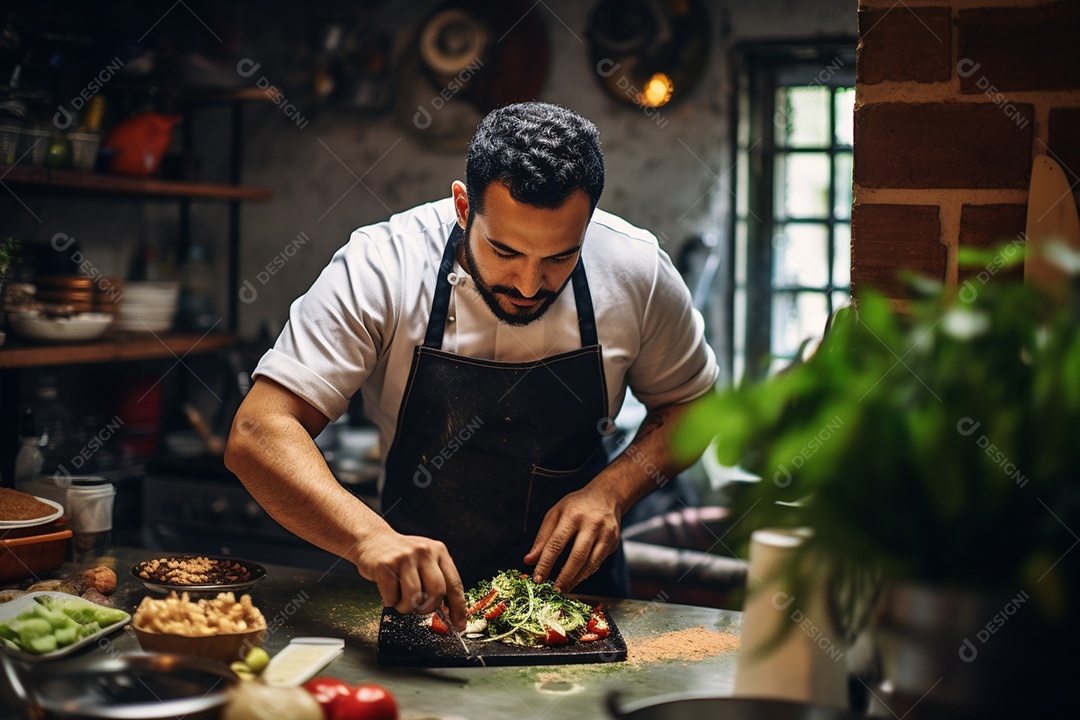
(32, 556)
(140, 143)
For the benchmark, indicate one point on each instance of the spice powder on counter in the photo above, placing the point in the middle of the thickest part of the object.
(17, 505)
(692, 644)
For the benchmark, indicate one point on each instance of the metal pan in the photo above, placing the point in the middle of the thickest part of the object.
(143, 686)
(683, 706)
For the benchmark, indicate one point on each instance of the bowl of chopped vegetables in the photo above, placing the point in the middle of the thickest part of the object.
(45, 625)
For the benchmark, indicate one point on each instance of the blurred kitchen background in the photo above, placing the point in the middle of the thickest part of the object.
(184, 171)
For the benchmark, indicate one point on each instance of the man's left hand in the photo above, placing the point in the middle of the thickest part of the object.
(587, 521)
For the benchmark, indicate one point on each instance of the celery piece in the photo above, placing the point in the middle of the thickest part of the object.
(33, 628)
(66, 635)
(42, 644)
(88, 629)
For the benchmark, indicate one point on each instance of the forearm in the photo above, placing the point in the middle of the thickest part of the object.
(647, 463)
(280, 465)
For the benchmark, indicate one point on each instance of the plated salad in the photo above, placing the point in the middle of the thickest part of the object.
(513, 609)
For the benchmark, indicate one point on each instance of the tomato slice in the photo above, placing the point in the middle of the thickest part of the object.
(496, 611)
(598, 625)
(483, 602)
(554, 635)
(438, 625)
(589, 637)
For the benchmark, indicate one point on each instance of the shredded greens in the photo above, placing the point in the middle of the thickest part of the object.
(533, 610)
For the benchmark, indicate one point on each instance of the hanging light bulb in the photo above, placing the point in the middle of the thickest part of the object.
(658, 90)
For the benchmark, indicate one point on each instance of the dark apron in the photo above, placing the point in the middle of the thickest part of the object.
(484, 449)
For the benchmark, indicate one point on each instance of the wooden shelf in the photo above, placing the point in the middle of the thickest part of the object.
(121, 347)
(73, 181)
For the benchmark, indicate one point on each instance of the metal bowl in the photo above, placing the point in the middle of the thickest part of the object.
(144, 686)
(683, 706)
(256, 572)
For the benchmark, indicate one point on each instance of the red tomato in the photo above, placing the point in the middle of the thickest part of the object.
(496, 611)
(483, 602)
(589, 637)
(365, 702)
(554, 635)
(327, 691)
(438, 625)
(599, 626)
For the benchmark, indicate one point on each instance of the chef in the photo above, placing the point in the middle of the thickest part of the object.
(493, 336)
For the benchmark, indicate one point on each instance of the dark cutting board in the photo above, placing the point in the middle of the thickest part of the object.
(408, 641)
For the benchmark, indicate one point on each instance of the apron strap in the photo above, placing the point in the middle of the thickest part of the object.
(440, 303)
(583, 298)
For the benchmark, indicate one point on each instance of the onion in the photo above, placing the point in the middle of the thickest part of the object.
(252, 700)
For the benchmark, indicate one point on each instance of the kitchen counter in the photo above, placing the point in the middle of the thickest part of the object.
(301, 602)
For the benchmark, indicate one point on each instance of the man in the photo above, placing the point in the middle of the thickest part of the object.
(493, 336)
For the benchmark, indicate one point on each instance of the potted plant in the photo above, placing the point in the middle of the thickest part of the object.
(935, 451)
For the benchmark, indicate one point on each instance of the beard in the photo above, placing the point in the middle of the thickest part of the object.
(490, 293)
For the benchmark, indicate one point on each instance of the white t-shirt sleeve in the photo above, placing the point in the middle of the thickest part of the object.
(675, 363)
(337, 330)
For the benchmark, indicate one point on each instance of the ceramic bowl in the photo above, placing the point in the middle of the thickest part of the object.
(223, 647)
(80, 327)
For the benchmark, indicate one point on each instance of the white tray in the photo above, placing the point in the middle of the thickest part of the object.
(10, 610)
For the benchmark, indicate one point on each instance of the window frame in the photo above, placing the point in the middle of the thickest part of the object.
(759, 71)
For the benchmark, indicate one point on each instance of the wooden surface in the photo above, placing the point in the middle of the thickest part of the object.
(72, 181)
(117, 348)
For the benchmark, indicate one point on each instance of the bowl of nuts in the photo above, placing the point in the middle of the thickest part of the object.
(222, 628)
(200, 575)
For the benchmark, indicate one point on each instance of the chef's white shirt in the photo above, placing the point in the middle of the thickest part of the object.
(358, 325)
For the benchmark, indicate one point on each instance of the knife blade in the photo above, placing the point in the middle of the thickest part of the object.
(469, 653)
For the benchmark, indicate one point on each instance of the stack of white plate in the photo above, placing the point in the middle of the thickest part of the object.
(148, 306)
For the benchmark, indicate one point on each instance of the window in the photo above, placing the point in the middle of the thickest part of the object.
(791, 225)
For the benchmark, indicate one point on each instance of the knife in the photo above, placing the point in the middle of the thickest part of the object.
(1051, 217)
(453, 631)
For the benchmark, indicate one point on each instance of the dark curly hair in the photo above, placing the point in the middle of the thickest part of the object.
(543, 152)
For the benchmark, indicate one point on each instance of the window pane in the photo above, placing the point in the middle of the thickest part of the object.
(739, 332)
(740, 252)
(842, 206)
(802, 185)
(795, 317)
(839, 300)
(801, 255)
(742, 184)
(802, 117)
(845, 116)
(742, 135)
(842, 258)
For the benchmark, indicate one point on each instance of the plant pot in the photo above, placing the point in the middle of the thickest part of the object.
(949, 653)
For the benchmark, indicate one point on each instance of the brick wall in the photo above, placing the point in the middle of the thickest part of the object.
(953, 102)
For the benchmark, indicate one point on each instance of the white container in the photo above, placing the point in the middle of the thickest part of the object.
(809, 664)
(88, 503)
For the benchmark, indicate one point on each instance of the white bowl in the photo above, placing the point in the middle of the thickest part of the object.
(139, 325)
(158, 295)
(145, 314)
(83, 326)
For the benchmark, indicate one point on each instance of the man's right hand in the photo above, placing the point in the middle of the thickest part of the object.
(413, 573)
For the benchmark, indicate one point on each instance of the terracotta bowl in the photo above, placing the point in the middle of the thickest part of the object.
(226, 647)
